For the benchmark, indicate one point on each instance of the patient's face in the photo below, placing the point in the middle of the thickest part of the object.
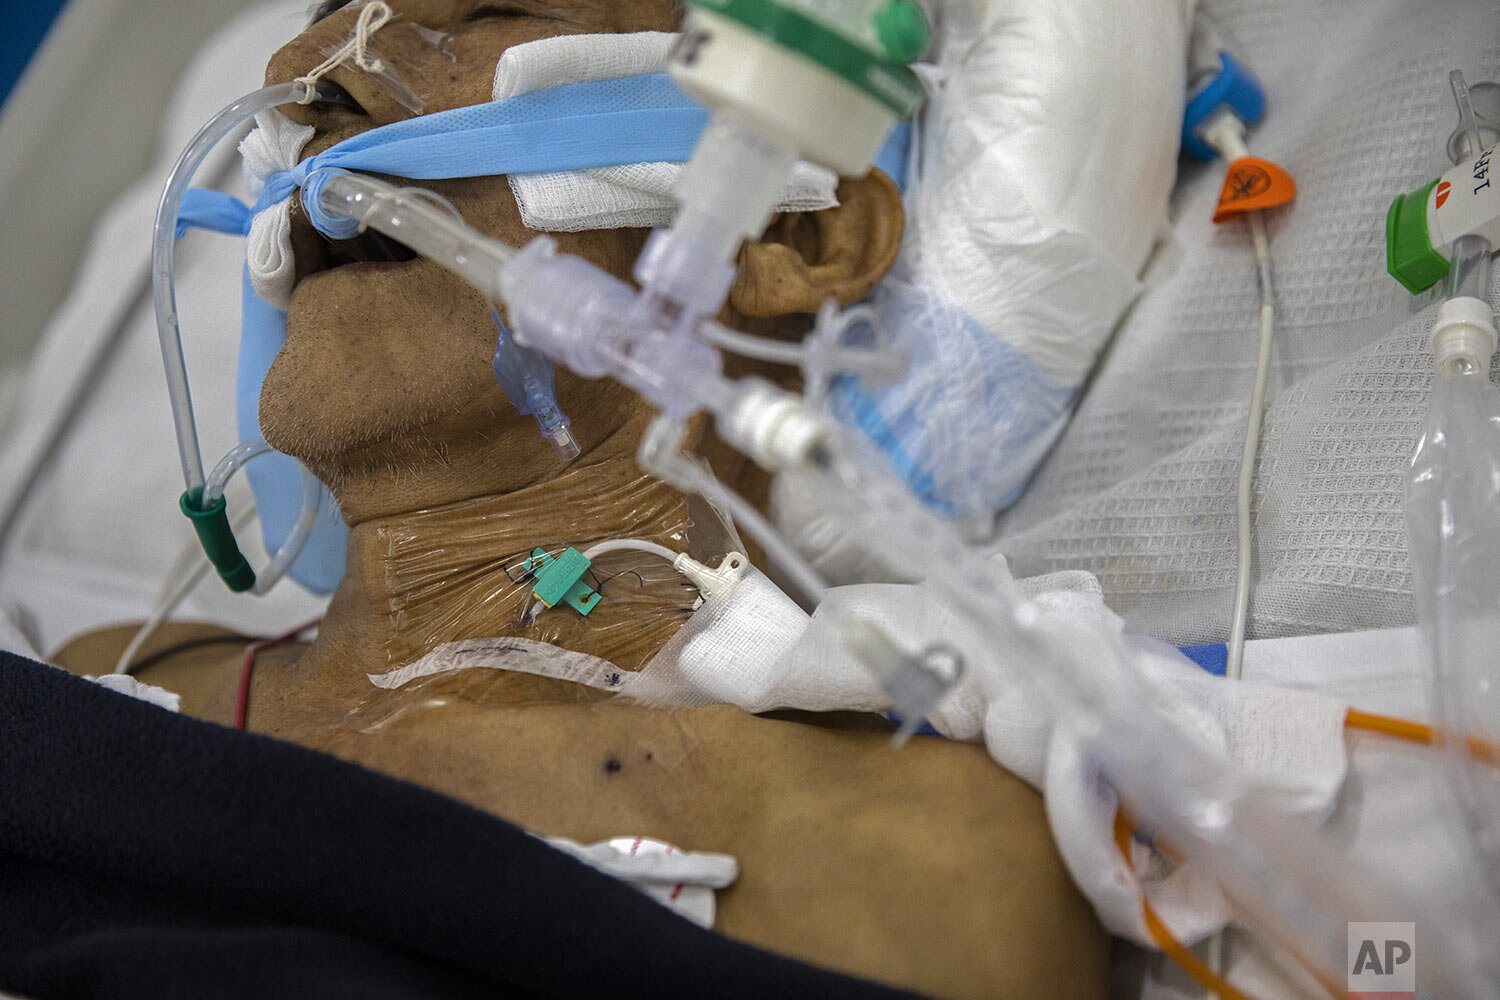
(386, 352)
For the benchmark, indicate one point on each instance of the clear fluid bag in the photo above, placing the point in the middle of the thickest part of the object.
(1453, 526)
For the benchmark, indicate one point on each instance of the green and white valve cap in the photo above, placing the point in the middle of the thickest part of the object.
(829, 89)
(1420, 227)
(1409, 253)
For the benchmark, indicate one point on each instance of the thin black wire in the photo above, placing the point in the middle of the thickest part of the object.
(152, 659)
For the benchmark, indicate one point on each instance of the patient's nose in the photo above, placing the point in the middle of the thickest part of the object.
(400, 44)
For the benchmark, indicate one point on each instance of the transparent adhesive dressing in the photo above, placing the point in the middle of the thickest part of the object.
(523, 573)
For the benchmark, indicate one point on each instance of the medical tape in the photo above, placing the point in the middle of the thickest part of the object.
(526, 656)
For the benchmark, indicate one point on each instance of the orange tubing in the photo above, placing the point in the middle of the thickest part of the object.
(1416, 732)
(1189, 962)
(1174, 949)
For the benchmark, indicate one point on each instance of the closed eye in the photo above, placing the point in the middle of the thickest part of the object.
(497, 11)
(325, 8)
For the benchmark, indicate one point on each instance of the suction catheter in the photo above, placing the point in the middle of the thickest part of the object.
(825, 81)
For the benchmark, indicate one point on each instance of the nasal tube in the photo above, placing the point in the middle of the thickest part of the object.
(209, 515)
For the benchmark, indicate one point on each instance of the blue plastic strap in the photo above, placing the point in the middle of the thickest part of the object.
(213, 210)
(276, 479)
(576, 126)
(892, 157)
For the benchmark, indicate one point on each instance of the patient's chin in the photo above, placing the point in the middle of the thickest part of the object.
(330, 396)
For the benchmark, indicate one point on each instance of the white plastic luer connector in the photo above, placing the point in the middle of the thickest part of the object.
(1464, 331)
(773, 427)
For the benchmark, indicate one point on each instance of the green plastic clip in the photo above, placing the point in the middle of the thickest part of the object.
(560, 580)
(217, 538)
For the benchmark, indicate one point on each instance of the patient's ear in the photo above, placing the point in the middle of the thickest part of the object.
(806, 258)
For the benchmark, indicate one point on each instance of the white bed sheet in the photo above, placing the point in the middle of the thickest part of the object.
(99, 529)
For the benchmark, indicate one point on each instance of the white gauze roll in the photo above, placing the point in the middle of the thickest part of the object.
(273, 146)
(637, 195)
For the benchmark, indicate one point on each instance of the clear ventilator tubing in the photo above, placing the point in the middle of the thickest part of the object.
(726, 194)
(879, 366)
(1298, 888)
(661, 455)
(1469, 270)
(296, 539)
(164, 238)
(409, 216)
(239, 455)
(307, 515)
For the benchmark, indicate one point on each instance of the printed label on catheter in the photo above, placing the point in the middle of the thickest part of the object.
(1464, 202)
(1251, 184)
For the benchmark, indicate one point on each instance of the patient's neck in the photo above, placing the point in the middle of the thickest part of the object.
(446, 571)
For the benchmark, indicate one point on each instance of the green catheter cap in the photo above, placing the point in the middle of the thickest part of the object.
(1409, 255)
(217, 538)
(900, 27)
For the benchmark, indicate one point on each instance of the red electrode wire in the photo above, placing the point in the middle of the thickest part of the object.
(247, 668)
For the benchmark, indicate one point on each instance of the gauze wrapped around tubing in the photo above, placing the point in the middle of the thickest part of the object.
(1290, 882)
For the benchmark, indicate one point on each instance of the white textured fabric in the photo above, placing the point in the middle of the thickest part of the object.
(100, 528)
(274, 145)
(1140, 488)
(630, 196)
(1050, 154)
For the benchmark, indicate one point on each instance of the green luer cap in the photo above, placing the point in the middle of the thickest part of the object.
(217, 538)
(902, 28)
(874, 73)
(1409, 255)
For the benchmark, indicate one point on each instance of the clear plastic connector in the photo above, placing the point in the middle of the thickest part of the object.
(915, 683)
(528, 380)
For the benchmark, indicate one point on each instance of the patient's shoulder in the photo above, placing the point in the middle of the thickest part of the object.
(199, 662)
